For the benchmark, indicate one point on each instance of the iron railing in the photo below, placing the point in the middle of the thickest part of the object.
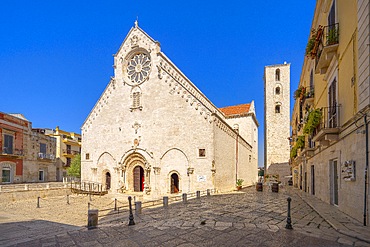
(329, 118)
(328, 36)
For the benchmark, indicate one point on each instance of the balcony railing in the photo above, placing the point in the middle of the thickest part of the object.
(45, 156)
(70, 152)
(327, 47)
(329, 125)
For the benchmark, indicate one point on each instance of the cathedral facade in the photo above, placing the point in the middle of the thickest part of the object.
(154, 132)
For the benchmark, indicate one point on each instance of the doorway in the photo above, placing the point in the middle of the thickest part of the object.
(313, 180)
(335, 182)
(107, 180)
(174, 183)
(138, 179)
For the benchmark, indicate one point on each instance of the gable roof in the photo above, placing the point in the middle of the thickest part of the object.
(235, 110)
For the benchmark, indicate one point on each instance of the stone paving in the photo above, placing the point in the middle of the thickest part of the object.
(246, 218)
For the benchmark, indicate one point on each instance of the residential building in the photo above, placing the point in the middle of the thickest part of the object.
(68, 145)
(12, 129)
(28, 155)
(153, 132)
(277, 121)
(329, 154)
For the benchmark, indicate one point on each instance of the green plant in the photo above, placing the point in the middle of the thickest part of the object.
(300, 93)
(332, 36)
(313, 120)
(75, 168)
(293, 152)
(300, 142)
(311, 43)
(239, 182)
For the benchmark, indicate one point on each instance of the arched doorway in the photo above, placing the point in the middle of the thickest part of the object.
(138, 179)
(174, 183)
(107, 180)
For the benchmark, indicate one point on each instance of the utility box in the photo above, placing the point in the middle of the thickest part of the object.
(92, 220)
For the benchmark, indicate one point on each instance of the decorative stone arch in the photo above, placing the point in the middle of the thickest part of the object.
(107, 164)
(174, 179)
(136, 172)
(171, 149)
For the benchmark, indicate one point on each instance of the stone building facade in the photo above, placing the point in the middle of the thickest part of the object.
(27, 155)
(277, 120)
(154, 132)
(332, 116)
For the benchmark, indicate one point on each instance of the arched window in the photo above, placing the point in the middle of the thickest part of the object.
(277, 109)
(277, 75)
(277, 90)
(136, 98)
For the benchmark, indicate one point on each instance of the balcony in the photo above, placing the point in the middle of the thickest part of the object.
(43, 156)
(70, 141)
(328, 129)
(70, 153)
(308, 98)
(10, 152)
(327, 47)
(309, 148)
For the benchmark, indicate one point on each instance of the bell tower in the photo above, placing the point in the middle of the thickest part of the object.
(277, 116)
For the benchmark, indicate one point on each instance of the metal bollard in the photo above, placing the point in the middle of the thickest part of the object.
(165, 201)
(88, 206)
(67, 199)
(198, 194)
(208, 192)
(115, 204)
(131, 217)
(184, 198)
(288, 219)
(138, 207)
(38, 201)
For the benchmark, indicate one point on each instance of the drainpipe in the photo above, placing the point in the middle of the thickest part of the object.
(366, 167)
(236, 128)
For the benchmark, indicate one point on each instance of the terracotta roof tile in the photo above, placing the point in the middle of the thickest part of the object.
(235, 109)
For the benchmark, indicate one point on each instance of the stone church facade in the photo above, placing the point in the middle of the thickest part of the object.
(154, 132)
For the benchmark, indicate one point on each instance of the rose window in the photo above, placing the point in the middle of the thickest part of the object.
(138, 68)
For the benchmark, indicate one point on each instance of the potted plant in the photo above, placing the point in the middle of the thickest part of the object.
(300, 93)
(332, 36)
(239, 184)
(313, 120)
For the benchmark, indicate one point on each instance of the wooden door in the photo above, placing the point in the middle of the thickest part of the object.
(138, 179)
(107, 180)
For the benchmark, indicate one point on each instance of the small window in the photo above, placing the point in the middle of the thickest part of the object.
(202, 152)
(277, 90)
(41, 175)
(277, 75)
(277, 109)
(250, 158)
(136, 100)
(43, 148)
(8, 144)
(87, 156)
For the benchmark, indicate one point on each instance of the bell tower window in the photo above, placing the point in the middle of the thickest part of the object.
(277, 75)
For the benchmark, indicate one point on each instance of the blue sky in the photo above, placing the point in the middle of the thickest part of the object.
(56, 56)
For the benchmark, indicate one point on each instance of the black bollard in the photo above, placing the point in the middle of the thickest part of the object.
(67, 199)
(115, 204)
(131, 217)
(88, 206)
(38, 201)
(288, 219)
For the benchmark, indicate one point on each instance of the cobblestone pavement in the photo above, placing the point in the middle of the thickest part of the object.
(246, 218)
